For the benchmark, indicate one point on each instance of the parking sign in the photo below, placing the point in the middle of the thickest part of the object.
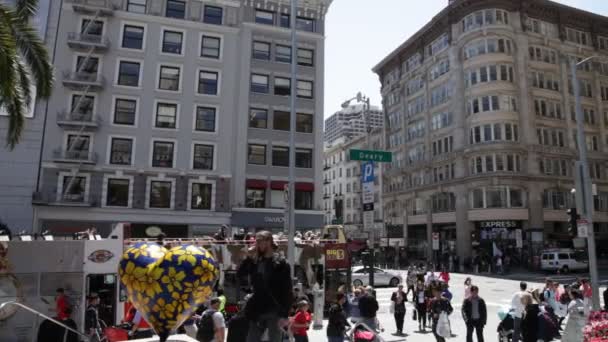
(367, 172)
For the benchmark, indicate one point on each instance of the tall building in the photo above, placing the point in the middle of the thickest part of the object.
(351, 122)
(342, 183)
(175, 113)
(19, 167)
(480, 122)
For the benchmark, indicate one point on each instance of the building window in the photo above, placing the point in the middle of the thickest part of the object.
(281, 120)
(87, 67)
(491, 103)
(160, 194)
(443, 202)
(261, 50)
(169, 78)
(303, 200)
(213, 15)
(440, 95)
(280, 156)
(133, 37)
(91, 28)
(78, 147)
(495, 163)
(544, 80)
(483, 18)
(208, 82)
(83, 107)
(172, 42)
(74, 189)
(121, 150)
(578, 37)
(256, 198)
(558, 199)
(175, 9)
(258, 118)
(441, 120)
(555, 167)
(257, 154)
(542, 54)
(305, 24)
(490, 73)
(285, 20)
(282, 86)
(438, 45)
(437, 71)
(205, 119)
(306, 57)
(201, 196)
(304, 123)
(124, 111)
(497, 197)
(264, 17)
(166, 115)
(494, 132)
(282, 53)
(277, 198)
(304, 158)
(550, 137)
(203, 157)
(259, 84)
(128, 73)
(136, 6)
(162, 154)
(487, 45)
(118, 192)
(304, 89)
(210, 47)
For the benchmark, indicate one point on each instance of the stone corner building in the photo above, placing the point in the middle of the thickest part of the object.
(480, 121)
(175, 113)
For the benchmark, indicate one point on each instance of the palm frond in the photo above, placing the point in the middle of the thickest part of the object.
(35, 55)
(24, 83)
(25, 9)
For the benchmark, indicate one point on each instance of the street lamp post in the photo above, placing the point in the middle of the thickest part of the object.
(584, 194)
(360, 98)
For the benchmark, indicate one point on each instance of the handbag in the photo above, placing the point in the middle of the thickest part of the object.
(364, 336)
(392, 308)
(443, 326)
(414, 315)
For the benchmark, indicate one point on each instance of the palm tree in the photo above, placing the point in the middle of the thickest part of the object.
(24, 61)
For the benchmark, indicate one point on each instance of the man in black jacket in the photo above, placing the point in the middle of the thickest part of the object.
(475, 314)
(269, 275)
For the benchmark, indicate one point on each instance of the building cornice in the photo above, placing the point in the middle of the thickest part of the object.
(547, 10)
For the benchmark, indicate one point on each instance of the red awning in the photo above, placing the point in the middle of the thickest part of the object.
(256, 184)
(305, 186)
(278, 185)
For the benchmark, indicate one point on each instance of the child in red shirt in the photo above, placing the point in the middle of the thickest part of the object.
(301, 322)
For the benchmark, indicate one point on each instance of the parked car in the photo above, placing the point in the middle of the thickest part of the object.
(563, 260)
(360, 277)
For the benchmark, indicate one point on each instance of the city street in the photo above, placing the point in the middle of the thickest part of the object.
(495, 291)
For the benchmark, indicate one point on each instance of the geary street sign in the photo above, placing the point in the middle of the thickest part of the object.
(377, 156)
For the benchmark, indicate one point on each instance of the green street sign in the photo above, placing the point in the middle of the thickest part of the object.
(377, 156)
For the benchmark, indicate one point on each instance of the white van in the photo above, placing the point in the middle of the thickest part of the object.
(563, 260)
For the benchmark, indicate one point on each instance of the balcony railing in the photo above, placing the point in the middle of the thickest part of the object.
(83, 79)
(326, 181)
(80, 40)
(89, 120)
(103, 7)
(61, 155)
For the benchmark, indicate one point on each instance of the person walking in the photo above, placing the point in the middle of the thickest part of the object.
(576, 318)
(355, 313)
(269, 274)
(338, 324)
(421, 303)
(475, 314)
(439, 305)
(399, 298)
(518, 310)
(587, 294)
(411, 282)
(368, 306)
(301, 322)
(213, 325)
(529, 323)
(467, 288)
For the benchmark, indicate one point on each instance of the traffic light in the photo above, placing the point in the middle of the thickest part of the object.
(573, 216)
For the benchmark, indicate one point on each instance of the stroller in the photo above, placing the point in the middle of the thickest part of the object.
(505, 327)
(361, 332)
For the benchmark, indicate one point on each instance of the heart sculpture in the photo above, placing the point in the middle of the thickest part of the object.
(167, 286)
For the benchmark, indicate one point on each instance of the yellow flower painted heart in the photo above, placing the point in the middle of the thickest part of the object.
(167, 286)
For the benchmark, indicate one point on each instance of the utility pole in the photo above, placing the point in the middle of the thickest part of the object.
(290, 219)
(585, 193)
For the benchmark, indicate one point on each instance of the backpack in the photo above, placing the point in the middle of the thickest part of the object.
(206, 327)
(550, 324)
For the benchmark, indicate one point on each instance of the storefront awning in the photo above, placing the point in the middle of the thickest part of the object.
(278, 185)
(301, 186)
(256, 184)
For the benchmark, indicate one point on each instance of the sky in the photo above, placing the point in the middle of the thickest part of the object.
(360, 33)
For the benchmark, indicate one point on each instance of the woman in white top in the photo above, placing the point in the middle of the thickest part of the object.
(576, 318)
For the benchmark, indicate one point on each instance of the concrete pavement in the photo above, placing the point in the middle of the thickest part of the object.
(496, 292)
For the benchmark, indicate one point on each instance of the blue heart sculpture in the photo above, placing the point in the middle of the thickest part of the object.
(167, 286)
